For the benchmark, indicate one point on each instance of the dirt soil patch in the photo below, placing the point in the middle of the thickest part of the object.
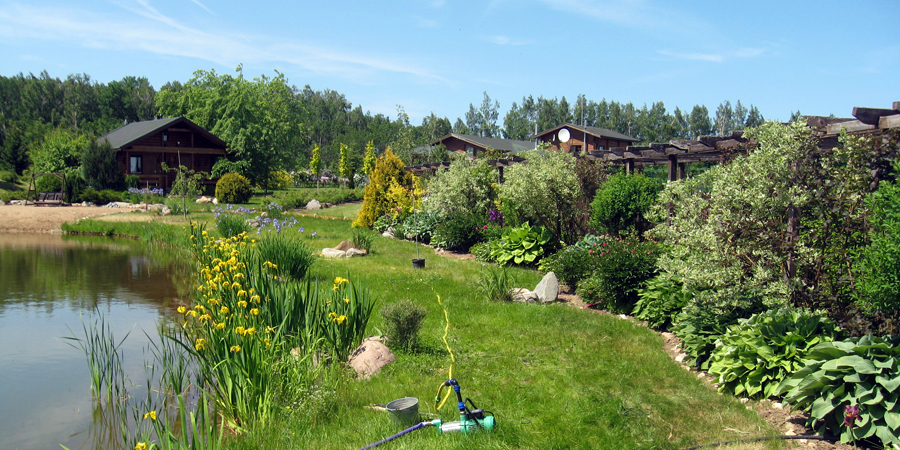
(46, 219)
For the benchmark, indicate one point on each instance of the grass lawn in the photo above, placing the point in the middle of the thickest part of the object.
(556, 377)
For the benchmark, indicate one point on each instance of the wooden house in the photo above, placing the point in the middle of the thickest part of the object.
(577, 139)
(473, 146)
(142, 147)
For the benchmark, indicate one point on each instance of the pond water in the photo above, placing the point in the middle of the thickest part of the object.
(50, 284)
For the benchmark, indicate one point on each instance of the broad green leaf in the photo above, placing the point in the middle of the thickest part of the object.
(890, 384)
(820, 408)
(892, 419)
(858, 363)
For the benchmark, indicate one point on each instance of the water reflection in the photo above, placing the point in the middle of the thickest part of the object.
(48, 285)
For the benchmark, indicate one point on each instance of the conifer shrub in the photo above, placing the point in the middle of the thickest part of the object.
(391, 189)
(622, 202)
(233, 188)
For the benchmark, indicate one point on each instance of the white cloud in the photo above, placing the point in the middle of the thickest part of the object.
(151, 31)
(632, 13)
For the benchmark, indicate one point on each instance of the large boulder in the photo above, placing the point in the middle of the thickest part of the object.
(548, 289)
(333, 253)
(370, 357)
(313, 204)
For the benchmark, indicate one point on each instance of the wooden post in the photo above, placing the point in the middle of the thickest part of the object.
(682, 171)
(629, 166)
(673, 167)
(500, 171)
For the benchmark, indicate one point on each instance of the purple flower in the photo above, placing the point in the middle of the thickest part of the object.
(314, 234)
(302, 229)
(851, 414)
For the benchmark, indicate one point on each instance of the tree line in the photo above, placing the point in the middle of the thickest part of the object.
(46, 123)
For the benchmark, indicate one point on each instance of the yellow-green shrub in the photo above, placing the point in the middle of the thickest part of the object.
(392, 189)
(233, 188)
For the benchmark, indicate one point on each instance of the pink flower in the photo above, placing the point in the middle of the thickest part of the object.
(484, 227)
(590, 252)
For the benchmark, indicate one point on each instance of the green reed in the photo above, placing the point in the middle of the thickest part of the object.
(103, 356)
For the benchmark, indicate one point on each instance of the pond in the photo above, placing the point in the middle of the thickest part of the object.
(49, 284)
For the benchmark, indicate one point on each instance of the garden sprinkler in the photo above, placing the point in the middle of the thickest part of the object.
(470, 420)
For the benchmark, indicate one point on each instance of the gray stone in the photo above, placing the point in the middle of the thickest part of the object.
(313, 204)
(165, 211)
(118, 205)
(203, 199)
(215, 201)
(17, 202)
(264, 214)
(522, 295)
(548, 289)
(389, 232)
(333, 253)
(253, 223)
(370, 357)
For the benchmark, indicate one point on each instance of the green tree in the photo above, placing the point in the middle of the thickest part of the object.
(622, 202)
(369, 160)
(315, 164)
(390, 187)
(99, 167)
(345, 167)
(58, 150)
(259, 119)
(464, 188)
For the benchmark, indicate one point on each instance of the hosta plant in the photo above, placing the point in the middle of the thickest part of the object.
(755, 354)
(661, 300)
(522, 245)
(862, 372)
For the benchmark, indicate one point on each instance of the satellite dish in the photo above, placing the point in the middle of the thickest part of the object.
(564, 135)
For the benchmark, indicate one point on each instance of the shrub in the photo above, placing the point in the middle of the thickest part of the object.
(495, 283)
(863, 372)
(705, 319)
(402, 321)
(576, 262)
(543, 192)
(464, 188)
(233, 188)
(524, 245)
(100, 197)
(756, 354)
(622, 266)
(294, 199)
(879, 268)
(621, 203)
(662, 298)
(292, 257)
(459, 232)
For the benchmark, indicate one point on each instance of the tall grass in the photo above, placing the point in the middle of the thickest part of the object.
(103, 357)
(292, 256)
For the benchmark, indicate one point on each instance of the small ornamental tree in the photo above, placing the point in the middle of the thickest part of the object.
(99, 168)
(391, 187)
(315, 164)
(345, 168)
(369, 159)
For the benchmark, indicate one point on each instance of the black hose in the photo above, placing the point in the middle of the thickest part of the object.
(814, 437)
(391, 438)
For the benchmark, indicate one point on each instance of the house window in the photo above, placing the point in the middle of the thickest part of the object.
(136, 164)
(470, 150)
(575, 149)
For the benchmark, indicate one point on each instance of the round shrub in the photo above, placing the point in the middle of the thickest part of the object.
(8, 176)
(576, 262)
(233, 188)
(622, 266)
(661, 300)
(756, 354)
(620, 204)
(459, 232)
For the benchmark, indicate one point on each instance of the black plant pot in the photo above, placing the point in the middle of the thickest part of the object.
(418, 263)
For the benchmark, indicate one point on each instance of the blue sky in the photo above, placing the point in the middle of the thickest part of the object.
(439, 56)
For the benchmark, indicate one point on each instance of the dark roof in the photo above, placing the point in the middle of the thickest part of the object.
(126, 135)
(595, 131)
(506, 145)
